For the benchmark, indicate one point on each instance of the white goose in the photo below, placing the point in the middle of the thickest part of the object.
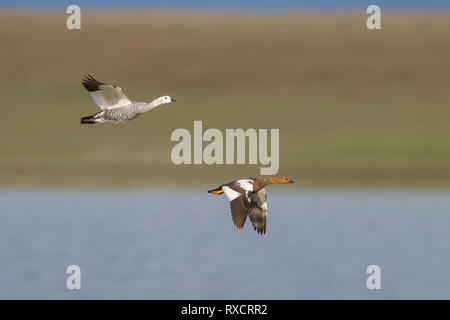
(115, 105)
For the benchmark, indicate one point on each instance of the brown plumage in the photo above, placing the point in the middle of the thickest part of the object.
(248, 198)
(258, 211)
(239, 210)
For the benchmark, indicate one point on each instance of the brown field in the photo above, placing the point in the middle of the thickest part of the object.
(354, 107)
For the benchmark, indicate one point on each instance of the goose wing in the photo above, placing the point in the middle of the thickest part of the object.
(239, 210)
(106, 96)
(238, 193)
(258, 211)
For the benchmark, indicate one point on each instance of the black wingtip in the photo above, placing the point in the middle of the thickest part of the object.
(88, 120)
(91, 84)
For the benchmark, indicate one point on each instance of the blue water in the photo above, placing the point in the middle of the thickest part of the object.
(170, 244)
(260, 5)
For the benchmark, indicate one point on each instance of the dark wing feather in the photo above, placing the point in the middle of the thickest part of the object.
(106, 96)
(91, 84)
(239, 210)
(258, 211)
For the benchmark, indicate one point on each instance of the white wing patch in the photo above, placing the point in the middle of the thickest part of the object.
(98, 99)
(109, 97)
(230, 193)
(246, 184)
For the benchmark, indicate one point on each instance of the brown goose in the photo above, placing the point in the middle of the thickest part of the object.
(248, 198)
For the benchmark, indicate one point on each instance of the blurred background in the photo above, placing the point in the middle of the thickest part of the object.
(364, 123)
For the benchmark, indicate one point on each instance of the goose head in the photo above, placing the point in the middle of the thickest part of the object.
(163, 100)
(282, 180)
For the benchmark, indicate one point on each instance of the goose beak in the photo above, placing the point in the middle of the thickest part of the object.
(173, 100)
(291, 181)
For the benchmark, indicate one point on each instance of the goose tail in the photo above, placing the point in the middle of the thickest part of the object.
(88, 120)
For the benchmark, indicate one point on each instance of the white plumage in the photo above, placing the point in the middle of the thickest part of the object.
(116, 106)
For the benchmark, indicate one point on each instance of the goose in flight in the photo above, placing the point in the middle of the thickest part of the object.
(115, 105)
(248, 198)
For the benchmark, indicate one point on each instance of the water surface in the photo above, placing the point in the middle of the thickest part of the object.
(151, 244)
